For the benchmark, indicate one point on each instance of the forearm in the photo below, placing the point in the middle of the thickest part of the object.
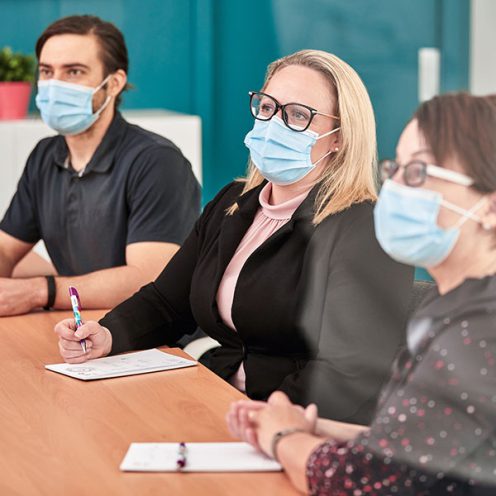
(7, 264)
(293, 453)
(5, 267)
(101, 289)
(33, 265)
(339, 431)
(12, 250)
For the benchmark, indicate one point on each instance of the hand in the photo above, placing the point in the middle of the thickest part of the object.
(238, 421)
(19, 296)
(98, 340)
(279, 414)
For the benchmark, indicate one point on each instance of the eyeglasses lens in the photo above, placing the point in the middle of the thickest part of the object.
(414, 174)
(297, 117)
(388, 169)
(262, 107)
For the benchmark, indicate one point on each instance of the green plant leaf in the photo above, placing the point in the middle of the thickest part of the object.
(16, 66)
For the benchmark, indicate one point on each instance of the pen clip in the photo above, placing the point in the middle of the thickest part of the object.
(74, 292)
(181, 460)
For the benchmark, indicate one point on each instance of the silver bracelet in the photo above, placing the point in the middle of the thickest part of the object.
(279, 435)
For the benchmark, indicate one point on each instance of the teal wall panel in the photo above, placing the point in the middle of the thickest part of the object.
(203, 56)
(158, 36)
(379, 38)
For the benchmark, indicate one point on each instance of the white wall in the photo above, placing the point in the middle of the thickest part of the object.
(483, 47)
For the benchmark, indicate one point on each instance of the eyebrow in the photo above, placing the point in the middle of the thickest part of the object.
(422, 150)
(418, 152)
(71, 65)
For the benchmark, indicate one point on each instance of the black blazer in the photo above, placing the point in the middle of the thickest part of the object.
(319, 311)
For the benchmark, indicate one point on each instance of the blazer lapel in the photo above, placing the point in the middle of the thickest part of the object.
(233, 229)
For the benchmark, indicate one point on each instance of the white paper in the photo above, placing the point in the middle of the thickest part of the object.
(200, 457)
(140, 362)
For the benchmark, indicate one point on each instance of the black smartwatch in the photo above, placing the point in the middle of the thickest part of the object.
(52, 292)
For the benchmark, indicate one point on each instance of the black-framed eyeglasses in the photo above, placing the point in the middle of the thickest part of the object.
(295, 115)
(415, 173)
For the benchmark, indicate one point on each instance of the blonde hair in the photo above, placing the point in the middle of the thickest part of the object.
(350, 175)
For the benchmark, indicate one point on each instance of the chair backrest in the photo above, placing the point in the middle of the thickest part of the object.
(419, 290)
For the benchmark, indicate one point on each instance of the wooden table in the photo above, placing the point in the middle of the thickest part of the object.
(61, 436)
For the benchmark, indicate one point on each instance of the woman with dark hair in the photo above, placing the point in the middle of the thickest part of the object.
(434, 430)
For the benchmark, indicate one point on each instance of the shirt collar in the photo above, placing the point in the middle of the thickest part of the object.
(472, 294)
(281, 211)
(103, 158)
(249, 203)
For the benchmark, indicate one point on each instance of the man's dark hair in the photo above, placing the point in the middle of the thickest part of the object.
(113, 50)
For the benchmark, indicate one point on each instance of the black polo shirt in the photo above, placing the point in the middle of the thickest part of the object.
(138, 186)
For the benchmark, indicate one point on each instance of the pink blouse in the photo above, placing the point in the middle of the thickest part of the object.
(268, 219)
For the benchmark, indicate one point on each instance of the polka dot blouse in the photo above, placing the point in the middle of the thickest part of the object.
(434, 429)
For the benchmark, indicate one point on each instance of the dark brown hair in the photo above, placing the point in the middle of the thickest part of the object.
(462, 126)
(113, 50)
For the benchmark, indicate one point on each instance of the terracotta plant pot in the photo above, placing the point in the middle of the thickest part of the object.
(14, 99)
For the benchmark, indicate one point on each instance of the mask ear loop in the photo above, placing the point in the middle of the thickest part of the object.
(107, 100)
(102, 84)
(104, 105)
(330, 151)
(466, 214)
(327, 134)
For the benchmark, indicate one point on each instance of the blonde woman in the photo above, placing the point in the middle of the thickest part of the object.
(283, 268)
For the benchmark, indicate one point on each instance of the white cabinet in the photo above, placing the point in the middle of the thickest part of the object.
(18, 138)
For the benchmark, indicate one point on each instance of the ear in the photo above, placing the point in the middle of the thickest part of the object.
(488, 213)
(336, 141)
(117, 82)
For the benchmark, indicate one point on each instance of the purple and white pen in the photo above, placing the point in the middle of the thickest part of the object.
(76, 308)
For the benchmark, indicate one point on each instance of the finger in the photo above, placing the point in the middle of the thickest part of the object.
(74, 356)
(232, 425)
(252, 438)
(234, 408)
(70, 323)
(87, 330)
(278, 398)
(73, 345)
(311, 413)
(92, 353)
(237, 406)
(244, 417)
(81, 359)
(66, 330)
(253, 416)
(244, 407)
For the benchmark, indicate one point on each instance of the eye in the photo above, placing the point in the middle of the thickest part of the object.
(267, 108)
(299, 116)
(297, 113)
(44, 72)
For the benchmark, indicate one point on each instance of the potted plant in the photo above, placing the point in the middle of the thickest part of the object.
(16, 77)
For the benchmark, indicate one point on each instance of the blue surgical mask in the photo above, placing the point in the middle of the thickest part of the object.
(406, 224)
(67, 107)
(282, 155)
